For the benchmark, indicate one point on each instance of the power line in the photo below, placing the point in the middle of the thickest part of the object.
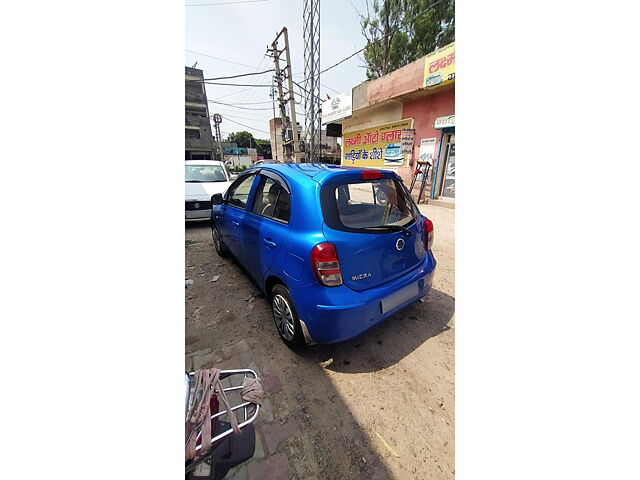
(233, 93)
(333, 90)
(305, 90)
(225, 3)
(259, 116)
(251, 93)
(231, 76)
(251, 103)
(376, 41)
(237, 106)
(247, 126)
(254, 119)
(237, 84)
(221, 59)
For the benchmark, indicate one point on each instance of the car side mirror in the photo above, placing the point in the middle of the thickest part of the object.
(216, 199)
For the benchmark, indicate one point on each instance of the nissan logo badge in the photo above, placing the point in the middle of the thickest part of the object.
(399, 244)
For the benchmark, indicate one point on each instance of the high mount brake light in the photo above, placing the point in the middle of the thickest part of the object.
(325, 265)
(371, 175)
(428, 234)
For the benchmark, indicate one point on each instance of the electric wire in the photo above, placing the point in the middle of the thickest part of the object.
(220, 59)
(376, 41)
(236, 84)
(236, 106)
(230, 76)
(223, 3)
(247, 126)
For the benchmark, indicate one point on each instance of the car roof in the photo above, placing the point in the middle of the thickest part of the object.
(305, 172)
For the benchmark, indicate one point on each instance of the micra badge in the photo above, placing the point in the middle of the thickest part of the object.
(361, 276)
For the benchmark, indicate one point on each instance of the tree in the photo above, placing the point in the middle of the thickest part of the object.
(264, 148)
(401, 31)
(246, 140)
(242, 139)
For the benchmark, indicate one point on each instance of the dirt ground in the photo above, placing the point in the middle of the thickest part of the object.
(377, 407)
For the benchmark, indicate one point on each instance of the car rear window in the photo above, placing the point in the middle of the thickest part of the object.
(362, 206)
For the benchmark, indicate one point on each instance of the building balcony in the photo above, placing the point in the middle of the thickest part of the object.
(193, 97)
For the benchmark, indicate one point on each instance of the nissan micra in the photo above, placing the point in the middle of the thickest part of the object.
(336, 250)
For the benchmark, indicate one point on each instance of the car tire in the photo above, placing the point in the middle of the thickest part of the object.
(285, 318)
(221, 248)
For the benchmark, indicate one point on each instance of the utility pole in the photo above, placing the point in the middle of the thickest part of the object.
(291, 146)
(273, 102)
(292, 99)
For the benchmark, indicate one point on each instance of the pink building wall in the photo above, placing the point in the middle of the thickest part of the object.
(424, 112)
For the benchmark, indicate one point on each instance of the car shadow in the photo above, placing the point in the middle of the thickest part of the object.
(384, 344)
(196, 225)
(329, 435)
(390, 341)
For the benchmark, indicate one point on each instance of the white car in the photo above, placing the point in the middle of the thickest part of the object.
(203, 178)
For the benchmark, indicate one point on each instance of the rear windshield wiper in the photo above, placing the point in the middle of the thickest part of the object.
(390, 228)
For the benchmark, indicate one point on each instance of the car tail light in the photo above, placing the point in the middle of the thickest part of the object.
(428, 234)
(371, 175)
(325, 265)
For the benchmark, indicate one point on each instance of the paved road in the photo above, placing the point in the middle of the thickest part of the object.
(377, 407)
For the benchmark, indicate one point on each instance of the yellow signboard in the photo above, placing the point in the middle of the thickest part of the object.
(440, 67)
(380, 146)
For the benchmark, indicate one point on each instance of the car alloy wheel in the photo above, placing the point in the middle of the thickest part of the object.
(283, 317)
(216, 238)
(217, 242)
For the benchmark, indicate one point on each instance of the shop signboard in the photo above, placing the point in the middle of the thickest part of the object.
(445, 122)
(379, 146)
(408, 134)
(337, 108)
(440, 67)
(427, 150)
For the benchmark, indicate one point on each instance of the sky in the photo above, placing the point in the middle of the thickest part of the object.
(241, 32)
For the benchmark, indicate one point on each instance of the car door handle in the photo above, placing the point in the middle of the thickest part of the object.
(235, 223)
(269, 243)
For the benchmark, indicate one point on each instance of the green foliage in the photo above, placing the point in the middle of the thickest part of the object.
(243, 139)
(399, 32)
(246, 140)
(264, 148)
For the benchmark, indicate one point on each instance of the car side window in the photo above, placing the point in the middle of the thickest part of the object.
(239, 193)
(271, 200)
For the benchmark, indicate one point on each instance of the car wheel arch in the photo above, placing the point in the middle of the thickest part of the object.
(271, 282)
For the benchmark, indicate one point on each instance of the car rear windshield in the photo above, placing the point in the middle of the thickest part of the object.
(375, 206)
(204, 173)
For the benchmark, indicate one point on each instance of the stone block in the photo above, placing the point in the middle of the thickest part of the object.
(188, 364)
(235, 349)
(271, 383)
(241, 472)
(266, 411)
(275, 467)
(259, 451)
(274, 434)
(206, 360)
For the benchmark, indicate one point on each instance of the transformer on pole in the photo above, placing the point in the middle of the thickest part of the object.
(312, 105)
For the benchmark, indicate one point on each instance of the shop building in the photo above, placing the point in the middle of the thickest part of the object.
(198, 140)
(406, 118)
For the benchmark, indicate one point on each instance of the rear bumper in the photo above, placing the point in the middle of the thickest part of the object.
(336, 314)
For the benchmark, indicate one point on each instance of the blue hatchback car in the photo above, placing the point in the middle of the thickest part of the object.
(336, 250)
